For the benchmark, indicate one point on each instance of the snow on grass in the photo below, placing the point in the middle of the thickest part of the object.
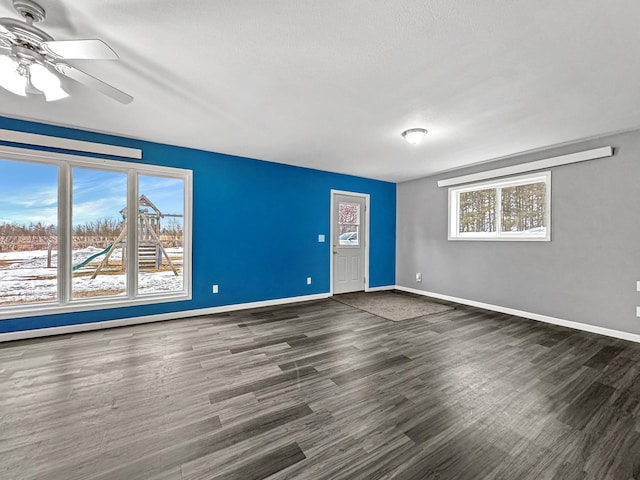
(24, 276)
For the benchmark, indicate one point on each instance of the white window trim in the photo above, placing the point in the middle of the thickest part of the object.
(537, 165)
(64, 303)
(454, 216)
(69, 144)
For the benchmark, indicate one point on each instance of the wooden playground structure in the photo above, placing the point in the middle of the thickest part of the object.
(150, 249)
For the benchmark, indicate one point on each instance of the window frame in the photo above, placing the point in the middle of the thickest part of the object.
(64, 302)
(498, 185)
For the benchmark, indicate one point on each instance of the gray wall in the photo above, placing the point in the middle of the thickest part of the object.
(586, 274)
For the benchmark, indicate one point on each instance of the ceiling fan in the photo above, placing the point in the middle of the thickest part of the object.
(31, 60)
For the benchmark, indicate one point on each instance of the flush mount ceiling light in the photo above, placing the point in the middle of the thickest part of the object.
(414, 135)
(32, 62)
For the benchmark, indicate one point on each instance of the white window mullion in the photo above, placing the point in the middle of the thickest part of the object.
(498, 211)
(186, 243)
(65, 193)
(132, 234)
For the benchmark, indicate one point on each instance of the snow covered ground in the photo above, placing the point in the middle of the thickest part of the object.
(24, 276)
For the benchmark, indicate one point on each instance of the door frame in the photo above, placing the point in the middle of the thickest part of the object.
(367, 210)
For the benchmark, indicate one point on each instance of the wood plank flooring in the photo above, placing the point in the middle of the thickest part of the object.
(320, 390)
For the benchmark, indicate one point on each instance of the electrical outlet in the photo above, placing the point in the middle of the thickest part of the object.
(638, 285)
(418, 277)
(321, 238)
(308, 280)
(214, 289)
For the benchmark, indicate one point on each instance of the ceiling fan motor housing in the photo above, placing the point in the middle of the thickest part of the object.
(25, 36)
(29, 10)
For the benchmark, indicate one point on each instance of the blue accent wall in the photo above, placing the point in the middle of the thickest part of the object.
(255, 228)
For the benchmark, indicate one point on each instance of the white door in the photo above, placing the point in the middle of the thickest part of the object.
(349, 233)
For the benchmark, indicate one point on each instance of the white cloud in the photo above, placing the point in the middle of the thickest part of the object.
(107, 207)
(33, 199)
(47, 216)
(88, 183)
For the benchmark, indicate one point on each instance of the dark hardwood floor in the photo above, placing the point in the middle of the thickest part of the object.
(320, 390)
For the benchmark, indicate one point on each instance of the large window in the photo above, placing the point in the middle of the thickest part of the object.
(78, 233)
(516, 208)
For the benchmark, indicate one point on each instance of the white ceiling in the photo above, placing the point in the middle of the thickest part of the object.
(332, 84)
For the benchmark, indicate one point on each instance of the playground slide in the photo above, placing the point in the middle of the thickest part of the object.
(87, 260)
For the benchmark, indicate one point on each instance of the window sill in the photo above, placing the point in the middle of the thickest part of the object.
(12, 312)
(499, 239)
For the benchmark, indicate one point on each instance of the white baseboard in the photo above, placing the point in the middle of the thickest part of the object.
(632, 337)
(379, 289)
(84, 327)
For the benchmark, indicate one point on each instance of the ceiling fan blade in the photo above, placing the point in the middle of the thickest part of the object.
(88, 80)
(5, 35)
(79, 50)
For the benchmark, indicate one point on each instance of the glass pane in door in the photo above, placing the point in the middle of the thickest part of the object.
(348, 223)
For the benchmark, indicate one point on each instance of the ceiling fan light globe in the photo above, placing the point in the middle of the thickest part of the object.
(55, 94)
(42, 78)
(47, 82)
(10, 79)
